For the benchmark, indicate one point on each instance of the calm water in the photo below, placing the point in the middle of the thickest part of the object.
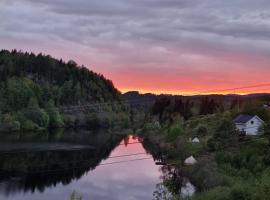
(94, 165)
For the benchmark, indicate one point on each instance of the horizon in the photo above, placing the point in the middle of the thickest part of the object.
(197, 94)
(175, 47)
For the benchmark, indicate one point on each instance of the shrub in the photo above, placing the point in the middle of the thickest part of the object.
(224, 135)
(38, 116)
(69, 120)
(174, 132)
(262, 191)
(56, 120)
(29, 125)
(92, 121)
(241, 192)
(34, 114)
(219, 193)
(202, 130)
(9, 123)
(205, 176)
(98, 121)
(125, 122)
(152, 126)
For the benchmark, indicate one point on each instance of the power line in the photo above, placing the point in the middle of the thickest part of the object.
(236, 88)
(131, 143)
(95, 106)
(41, 150)
(117, 162)
(127, 155)
(88, 160)
(63, 149)
(68, 169)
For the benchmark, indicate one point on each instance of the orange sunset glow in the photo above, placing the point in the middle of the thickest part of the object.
(159, 50)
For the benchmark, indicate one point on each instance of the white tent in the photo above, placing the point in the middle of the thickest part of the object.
(190, 161)
(196, 140)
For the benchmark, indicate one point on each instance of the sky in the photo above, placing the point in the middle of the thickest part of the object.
(159, 46)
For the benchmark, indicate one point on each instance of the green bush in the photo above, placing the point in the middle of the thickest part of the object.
(19, 91)
(56, 120)
(125, 122)
(9, 123)
(218, 193)
(38, 116)
(202, 130)
(97, 121)
(206, 176)
(104, 122)
(34, 114)
(152, 126)
(30, 126)
(174, 132)
(224, 136)
(241, 192)
(262, 190)
(69, 120)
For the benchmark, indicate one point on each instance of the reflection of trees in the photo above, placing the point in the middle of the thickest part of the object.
(30, 171)
(173, 176)
(152, 149)
(172, 182)
(75, 196)
(126, 140)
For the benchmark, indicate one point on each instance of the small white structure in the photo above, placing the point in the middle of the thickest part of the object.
(190, 161)
(195, 140)
(248, 124)
(187, 189)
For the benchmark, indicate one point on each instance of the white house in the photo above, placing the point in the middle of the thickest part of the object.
(248, 124)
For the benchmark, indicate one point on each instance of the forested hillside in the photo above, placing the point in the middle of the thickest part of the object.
(33, 86)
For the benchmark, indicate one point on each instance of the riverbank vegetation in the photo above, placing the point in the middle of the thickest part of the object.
(228, 167)
(37, 92)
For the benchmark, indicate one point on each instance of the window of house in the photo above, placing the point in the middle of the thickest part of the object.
(252, 122)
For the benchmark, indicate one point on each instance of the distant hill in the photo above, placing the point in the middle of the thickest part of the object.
(33, 86)
(65, 83)
(135, 98)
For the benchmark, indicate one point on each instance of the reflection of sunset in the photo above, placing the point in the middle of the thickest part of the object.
(133, 179)
(129, 145)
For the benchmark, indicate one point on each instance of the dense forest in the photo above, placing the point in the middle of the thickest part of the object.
(33, 87)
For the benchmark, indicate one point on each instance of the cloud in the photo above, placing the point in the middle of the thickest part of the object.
(198, 36)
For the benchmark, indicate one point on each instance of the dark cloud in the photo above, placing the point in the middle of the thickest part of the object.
(127, 33)
(169, 20)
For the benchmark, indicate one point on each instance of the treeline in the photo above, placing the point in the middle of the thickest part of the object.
(166, 108)
(32, 87)
(207, 105)
(200, 117)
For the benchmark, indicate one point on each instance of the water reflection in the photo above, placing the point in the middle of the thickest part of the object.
(52, 166)
(97, 165)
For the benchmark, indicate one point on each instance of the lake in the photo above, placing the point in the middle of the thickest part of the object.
(91, 165)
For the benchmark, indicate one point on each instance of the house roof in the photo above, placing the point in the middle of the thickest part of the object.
(196, 140)
(243, 118)
(190, 161)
